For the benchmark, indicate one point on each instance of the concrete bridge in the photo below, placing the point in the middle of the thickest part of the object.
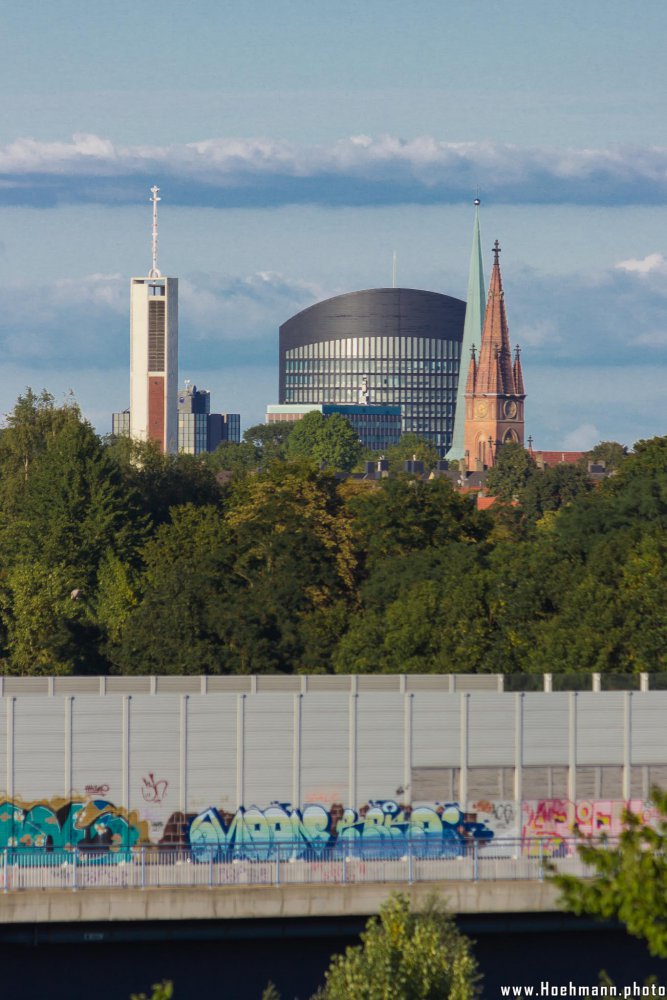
(273, 902)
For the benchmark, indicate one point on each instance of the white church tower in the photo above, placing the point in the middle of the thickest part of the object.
(154, 354)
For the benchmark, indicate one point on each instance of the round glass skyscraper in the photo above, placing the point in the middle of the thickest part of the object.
(403, 344)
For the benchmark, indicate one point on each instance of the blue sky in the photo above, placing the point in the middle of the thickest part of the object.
(297, 144)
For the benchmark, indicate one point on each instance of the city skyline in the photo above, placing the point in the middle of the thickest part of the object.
(296, 151)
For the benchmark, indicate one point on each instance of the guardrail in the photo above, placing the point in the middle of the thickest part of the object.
(284, 864)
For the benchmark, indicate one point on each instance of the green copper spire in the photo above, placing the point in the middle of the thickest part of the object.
(472, 336)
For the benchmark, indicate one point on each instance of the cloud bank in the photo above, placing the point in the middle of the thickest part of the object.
(359, 170)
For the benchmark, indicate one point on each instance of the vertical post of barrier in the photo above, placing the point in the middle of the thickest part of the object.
(540, 861)
(143, 867)
(5, 863)
(344, 868)
(210, 869)
(475, 860)
(410, 865)
(278, 867)
(74, 871)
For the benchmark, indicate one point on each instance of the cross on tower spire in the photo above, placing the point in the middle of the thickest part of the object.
(496, 251)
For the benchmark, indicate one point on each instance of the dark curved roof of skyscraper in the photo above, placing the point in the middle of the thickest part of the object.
(374, 312)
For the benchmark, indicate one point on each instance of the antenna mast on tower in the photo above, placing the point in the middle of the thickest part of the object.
(154, 273)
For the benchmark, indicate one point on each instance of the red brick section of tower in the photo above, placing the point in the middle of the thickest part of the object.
(495, 392)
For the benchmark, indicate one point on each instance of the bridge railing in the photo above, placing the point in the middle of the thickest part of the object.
(285, 863)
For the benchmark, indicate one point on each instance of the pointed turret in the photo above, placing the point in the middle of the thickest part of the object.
(472, 337)
(494, 397)
(495, 353)
(518, 373)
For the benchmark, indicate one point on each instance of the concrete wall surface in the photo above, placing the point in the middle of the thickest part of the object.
(274, 902)
(222, 762)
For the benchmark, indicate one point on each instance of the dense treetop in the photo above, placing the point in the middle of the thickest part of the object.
(114, 558)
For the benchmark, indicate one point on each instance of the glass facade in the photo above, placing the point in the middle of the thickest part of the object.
(120, 423)
(418, 374)
(377, 427)
(192, 433)
(405, 343)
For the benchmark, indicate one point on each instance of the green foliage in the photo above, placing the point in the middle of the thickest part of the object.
(164, 481)
(511, 472)
(270, 440)
(405, 956)
(629, 880)
(611, 453)
(407, 515)
(329, 441)
(48, 630)
(270, 993)
(411, 446)
(161, 991)
(115, 557)
(174, 627)
(552, 488)
(239, 459)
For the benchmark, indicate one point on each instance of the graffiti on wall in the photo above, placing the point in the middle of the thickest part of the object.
(68, 823)
(381, 828)
(153, 790)
(501, 817)
(554, 821)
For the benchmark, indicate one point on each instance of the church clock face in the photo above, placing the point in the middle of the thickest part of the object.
(481, 408)
(510, 409)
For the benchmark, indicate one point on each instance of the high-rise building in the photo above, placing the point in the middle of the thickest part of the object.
(406, 342)
(377, 427)
(154, 353)
(200, 430)
(472, 337)
(193, 411)
(495, 391)
(120, 423)
(223, 427)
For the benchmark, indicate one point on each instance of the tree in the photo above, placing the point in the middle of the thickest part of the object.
(403, 515)
(238, 459)
(330, 441)
(270, 440)
(32, 421)
(293, 569)
(49, 631)
(161, 991)
(513, 468)
(611, 453)
(165, 481)
(72, 504)
(174, 626)
(405, 956)
(411, 446)
(629, 883)
(552, 488)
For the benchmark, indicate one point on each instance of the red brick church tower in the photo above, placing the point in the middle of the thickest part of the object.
(494, 391)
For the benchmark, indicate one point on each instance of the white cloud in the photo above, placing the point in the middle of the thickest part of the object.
(582, 438)
(359, 169)
(653, 263)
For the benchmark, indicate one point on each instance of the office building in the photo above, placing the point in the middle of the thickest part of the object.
(154, 353)
(120, 423)
(406, 343)
(377, 427)
(200, 430)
